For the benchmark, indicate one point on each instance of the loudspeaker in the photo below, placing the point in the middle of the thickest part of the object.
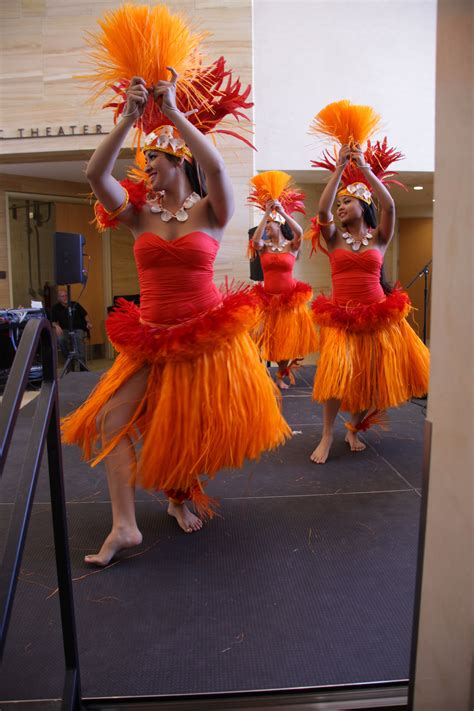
(68, 258)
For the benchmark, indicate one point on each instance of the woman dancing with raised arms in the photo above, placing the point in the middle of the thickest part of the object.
(185, 359)
(285, 332)
(370, 357)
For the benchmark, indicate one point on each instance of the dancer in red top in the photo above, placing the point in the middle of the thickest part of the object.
(371, 358)
(285, 333)
(186, 360)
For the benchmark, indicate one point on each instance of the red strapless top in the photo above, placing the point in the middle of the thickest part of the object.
(176, 277)
(278, 272)
(356, 276)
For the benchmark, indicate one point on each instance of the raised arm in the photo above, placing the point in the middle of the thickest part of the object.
(295, 228)
(220, 194)
(326, 201)
(257, 238)
(387, 205)
(99, 169)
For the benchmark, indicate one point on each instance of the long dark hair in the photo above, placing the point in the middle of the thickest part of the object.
(369, 214)
(194, 174)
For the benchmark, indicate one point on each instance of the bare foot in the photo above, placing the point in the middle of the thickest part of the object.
(354, 442)
(117, 540)
(321, 452)
(281, 384)
(186, 520)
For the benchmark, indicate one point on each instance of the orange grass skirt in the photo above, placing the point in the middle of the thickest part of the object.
(285, 329)
(370, 357)
(209, 401)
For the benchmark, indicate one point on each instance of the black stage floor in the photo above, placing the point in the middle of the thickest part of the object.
(306, 579)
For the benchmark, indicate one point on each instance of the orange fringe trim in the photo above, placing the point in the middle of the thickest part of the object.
(377, 368)
(285, 330)
(197, 416)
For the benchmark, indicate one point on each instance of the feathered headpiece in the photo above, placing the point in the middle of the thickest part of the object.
(275, 185)
(345, 122)
(379, 156)
(139, 40)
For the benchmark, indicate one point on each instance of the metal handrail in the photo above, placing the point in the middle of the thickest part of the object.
(44, 430)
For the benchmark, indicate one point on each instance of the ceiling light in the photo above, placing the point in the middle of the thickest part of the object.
(433, 200)
(418, 187)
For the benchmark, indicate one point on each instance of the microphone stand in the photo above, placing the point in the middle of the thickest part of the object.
(423, 273)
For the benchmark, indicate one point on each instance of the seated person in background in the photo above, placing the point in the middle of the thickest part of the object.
(80, 323)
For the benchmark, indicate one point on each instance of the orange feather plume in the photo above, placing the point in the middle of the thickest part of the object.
(276, 185)
(347, 123)
(139, 40)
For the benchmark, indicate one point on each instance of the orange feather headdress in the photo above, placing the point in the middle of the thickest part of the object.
(276, 185)
(345, 122)
(142, 40)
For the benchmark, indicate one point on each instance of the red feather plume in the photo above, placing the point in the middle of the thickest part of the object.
(223, 96)
(378, 155)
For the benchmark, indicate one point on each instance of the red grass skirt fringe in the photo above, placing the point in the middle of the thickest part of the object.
(209, 401)
(285, 329)
(370, 357)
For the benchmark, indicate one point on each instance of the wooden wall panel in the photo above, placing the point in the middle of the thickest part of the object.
(416, 249)
(124, 271)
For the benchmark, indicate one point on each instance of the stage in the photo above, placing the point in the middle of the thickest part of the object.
(306, 577)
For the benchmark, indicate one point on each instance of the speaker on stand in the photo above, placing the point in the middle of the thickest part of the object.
(69, 269)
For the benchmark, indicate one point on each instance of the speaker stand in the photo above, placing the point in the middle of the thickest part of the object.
(73, 355)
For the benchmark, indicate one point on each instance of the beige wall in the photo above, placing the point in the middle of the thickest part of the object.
(445, 648)
(43, 49)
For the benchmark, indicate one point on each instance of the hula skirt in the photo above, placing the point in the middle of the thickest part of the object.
(285, 329)
(209, 401)
(370, 357)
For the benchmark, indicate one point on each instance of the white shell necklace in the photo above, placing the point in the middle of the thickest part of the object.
(356, 244)
(279, 247)
(181, 215)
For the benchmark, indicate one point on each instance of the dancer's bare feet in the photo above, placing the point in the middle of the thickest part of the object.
(186, 520)
(281, 384)
(117, 540)
(321, 452)
(354, 442)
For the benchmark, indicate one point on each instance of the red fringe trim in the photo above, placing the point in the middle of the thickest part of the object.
(372, 419)
(137, 194)
(204, 504)
(313, 234)
(301, 293)
(361, 317)
(236, 313)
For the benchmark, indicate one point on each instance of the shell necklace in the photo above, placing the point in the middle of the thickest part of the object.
(278, 247)
(356, 244)
(181, 215)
